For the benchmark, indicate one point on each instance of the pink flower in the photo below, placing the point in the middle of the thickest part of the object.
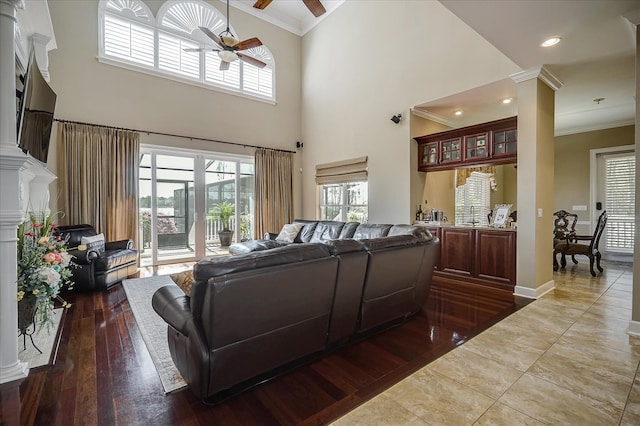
(51, 257)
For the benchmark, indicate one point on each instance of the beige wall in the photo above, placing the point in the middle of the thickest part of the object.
(94, 92)
(572, 167)
(350, 90)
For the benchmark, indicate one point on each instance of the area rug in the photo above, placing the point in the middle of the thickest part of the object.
(45, 340)
(153, 328)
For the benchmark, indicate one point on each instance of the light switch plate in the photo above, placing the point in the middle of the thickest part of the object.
(579, 208)
(539, 212)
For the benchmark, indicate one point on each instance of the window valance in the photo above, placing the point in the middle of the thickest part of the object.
(353, 170)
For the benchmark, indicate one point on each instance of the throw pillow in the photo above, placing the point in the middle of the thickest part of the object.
(289, 232)
(95, 243)
(184, 280)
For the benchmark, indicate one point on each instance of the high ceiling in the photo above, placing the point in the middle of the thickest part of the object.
(595, 58)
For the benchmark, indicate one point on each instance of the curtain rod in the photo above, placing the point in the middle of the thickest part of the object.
(149, 132)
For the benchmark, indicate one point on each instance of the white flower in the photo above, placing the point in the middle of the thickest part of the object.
(66, 259)
(49, 276)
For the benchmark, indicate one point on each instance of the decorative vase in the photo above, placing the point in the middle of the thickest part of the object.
(26, 313)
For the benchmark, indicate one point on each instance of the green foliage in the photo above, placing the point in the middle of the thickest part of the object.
(223, 213)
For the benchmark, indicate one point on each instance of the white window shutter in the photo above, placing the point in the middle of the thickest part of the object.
(128, 40)
(620, 201)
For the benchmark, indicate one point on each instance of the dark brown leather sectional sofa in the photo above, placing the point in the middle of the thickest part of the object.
(251, 315)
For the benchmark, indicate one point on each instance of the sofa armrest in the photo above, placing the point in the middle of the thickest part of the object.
(83, 257)
(173, 306)
(122, 244)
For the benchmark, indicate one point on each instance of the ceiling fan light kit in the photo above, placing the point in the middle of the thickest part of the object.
(228, 55)
(228, 47)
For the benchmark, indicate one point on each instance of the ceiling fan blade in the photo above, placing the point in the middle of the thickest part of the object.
(315, 7)
(253, 61)
(196, 49)
(261, 4)
(211, 35)
(224, 65)
(248, 44)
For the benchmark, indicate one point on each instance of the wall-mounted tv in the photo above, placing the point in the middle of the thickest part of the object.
(35, 113)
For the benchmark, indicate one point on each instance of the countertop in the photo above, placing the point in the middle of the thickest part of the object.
(451, 225)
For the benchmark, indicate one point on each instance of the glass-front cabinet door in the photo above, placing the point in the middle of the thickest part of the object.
(476, 146)
(429, 154)
(505, 142)
(451, 150)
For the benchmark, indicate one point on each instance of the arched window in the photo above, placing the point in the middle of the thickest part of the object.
(130, 36)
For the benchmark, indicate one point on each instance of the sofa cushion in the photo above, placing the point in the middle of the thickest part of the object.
(348, 230)
(94, 243)
(366, 230)
(419, 232)
(289, 232)
(327, 230)
(305, 234)
(291, 253)
(111, 259)
(254, 245)
(388, 242)
(347, 245)
(72, 234)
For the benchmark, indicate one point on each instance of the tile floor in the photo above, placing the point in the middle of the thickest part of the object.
(563, 359)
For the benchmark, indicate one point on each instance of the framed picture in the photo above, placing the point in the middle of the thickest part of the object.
(500, 215)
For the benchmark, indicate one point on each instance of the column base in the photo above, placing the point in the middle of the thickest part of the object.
(17, 371)
(534, 293)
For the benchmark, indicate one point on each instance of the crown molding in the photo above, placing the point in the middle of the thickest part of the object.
(433, 117)
(585, 129)
(539, 72)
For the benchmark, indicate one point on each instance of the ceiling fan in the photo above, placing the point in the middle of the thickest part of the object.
(313, 5)
(228, 47)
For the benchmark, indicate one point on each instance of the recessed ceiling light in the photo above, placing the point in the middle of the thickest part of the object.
(507, 101)
(458, 112)
(551, 41)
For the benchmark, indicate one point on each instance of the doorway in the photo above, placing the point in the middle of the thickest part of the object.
(614, 191)
(178, 191)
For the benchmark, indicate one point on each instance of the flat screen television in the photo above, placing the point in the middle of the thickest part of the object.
(35, 113)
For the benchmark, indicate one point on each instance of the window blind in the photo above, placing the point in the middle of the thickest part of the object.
(620, 189)
(172, 57)
(353, 170)
(473, 199)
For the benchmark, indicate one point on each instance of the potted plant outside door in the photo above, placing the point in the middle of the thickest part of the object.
(223, 212)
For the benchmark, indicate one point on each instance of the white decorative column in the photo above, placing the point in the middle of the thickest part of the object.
(12, 163)
(536, 110)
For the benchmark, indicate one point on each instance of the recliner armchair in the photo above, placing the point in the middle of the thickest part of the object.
(95, 270)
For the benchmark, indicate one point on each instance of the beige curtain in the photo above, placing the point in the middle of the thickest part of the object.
(98, 178)
(463, 174)
(274, 190)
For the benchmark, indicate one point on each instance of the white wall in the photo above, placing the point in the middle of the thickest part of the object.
(93, 92)
(350, 91)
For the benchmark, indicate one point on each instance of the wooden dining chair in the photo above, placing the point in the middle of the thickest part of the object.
(571, 246)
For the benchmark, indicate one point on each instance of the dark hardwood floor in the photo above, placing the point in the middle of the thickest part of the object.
(103, 373)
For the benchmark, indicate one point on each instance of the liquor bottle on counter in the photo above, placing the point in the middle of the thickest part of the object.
(419, 213)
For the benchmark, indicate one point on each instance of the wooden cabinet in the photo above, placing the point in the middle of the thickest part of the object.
(495, 142)
(482, 256)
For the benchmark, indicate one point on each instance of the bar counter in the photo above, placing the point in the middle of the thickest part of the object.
(476, 254)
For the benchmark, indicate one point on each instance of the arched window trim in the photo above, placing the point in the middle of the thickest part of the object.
(158, 25)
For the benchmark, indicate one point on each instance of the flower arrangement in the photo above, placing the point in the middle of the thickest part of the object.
(43, 266)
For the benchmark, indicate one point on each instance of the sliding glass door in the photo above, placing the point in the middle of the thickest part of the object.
(182, 196)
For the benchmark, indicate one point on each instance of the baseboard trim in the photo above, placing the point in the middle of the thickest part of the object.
(534, 293)
(634, 328)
